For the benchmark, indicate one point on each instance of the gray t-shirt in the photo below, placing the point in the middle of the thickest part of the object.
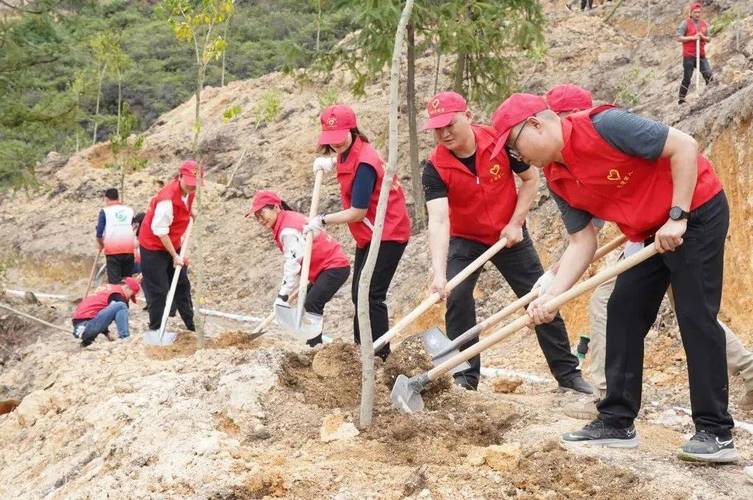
(628, 133)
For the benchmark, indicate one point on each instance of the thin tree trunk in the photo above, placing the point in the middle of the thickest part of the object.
(364, 321)
(224, 37)
(100, 77)
(459, 73)
(198, 239)
(318, 23)
(415, 171)
(120, 101)
(436, 66)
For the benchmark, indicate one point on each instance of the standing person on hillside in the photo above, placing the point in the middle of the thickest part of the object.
(472, 203)
(605, 162)
(691, 29)
(96, 312)
(330, 266)
(115, 237)
(160, 236)
(360, 170)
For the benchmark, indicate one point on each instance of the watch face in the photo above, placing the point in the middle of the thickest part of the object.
(675, 213)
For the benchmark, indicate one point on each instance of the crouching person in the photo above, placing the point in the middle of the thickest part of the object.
(98, 311)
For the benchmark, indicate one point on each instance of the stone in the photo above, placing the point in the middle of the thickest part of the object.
(503, 458)
(335, 428)
(504, 385)
(34, 406)
(476, 457)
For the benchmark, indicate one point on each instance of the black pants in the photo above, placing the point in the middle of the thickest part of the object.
(324, 288)
(119, 266)
(388, 258)
(157, 271)
(586, 4)
(688, 66)
(520, 266)
(695, 271)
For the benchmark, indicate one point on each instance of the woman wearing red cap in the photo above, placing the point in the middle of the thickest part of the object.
(329, 264)
(108, 304)
(160, 239)
(360, 170)
(692, 31)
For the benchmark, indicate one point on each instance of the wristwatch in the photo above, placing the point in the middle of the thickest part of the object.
(324, 223)
(677, 213)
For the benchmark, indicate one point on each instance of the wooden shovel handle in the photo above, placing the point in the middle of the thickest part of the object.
(432, 299)
(91, 274)
(261, 326)
(303, 285)
(176, 276)
(554, 304)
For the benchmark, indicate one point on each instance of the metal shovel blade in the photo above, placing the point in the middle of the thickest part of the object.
(311, 326)
(406, 395)
(285, 316)
(438, 346)
(153, 337)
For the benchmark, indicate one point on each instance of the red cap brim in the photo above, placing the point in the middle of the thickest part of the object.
(190, 180)
(500, 144)
(328, 137)
(438, 121)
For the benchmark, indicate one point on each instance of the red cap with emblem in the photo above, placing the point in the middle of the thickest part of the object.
(512, 111)
(188, 171)
(133, 284)
(568, 97)
(337, 120)
(442, 107)
(263, 199)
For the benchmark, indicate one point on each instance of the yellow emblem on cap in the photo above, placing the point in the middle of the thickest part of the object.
(331, 121)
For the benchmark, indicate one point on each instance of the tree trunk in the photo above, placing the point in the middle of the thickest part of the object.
(415, 171)
(457, 85)
(100, 77)
(120, 101)
(436, 67)
(224, 37)
(198, 238)
(364, 321)
(318, 23)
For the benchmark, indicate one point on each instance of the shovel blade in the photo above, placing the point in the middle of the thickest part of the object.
(437, 345)
(285, 316)
(405, 395)
(153, 337)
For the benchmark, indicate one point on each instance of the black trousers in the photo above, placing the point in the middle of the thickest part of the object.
(324, 288)
(688, 66)
(157, 271)
(388, 258)
(521, 267)
(586, 4)
(695, 271)
(119, 266)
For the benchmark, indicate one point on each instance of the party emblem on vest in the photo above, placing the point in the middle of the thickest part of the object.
(120, 216)
(622, 180)
(614, 175)
(494, 170)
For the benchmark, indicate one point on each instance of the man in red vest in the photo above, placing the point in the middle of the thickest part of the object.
(472, 203)
(97, 311)
(691, 32)
(652, 182)
(160, 237)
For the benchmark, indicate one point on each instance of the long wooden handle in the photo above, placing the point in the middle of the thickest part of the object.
(552, 305)
(432, 299)
(698, 66)
(176, 275)
(91, 274)
(261, 326)
(304, 283)
(521, 302)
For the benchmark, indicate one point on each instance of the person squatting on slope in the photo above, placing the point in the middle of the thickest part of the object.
(360, 171)
(691, 30)
(604, 162)
(329, 269)
(97, 311)
(472, 203)
(115, 237)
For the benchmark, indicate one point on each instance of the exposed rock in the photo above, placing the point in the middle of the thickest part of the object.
(335, 428)
(503, 458)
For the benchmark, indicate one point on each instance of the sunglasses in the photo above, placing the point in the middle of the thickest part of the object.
(511, 149)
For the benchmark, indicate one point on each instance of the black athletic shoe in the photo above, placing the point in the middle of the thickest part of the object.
(466, 382)
(681, 101)
(707, 447)
(597, 433)
(315, 341)
(577, 384)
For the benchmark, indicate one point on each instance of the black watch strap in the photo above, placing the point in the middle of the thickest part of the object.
(677, 213)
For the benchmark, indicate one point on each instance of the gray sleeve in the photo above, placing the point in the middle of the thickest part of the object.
(682, 28)
(631, 134)
(573, 218)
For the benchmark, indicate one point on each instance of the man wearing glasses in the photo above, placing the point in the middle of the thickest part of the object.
(472, 203)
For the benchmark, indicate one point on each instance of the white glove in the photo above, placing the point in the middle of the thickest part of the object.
(323, 163)
(315, 226)
(544, 282)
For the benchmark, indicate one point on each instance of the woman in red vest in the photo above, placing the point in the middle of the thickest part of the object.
(691, 31)
(108, 304)
(653, 183)
(360, 170)
(329, 269)
(160, 238)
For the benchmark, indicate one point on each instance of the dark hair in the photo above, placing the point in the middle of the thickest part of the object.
(111, 194)
(354, 132)
(283, 205)
(138, 219)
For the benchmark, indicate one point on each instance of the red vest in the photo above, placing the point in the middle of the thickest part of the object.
(480, 205)
(633, 192)
(396, 221)
(181, 217)
(91, 305)
(688, 48)
(326, 253)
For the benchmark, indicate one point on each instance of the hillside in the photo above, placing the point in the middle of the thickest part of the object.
(242, 419)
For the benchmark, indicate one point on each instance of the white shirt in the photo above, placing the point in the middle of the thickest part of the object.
(292, 249)
(163, 216)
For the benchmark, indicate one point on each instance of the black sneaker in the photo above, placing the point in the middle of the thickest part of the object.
(577, 384)
(707, 447)
(681, 101)
(597, 433)
(315, 341)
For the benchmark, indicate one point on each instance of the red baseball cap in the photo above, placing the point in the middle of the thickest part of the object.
(568, 97)
(442, 107)
(512, 111)
(337, 120)
(188, 171)
(695, 6)
(133, 284)
(262, 199)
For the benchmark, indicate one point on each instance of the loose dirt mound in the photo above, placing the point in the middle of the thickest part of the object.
(186, 344)
(410, 359)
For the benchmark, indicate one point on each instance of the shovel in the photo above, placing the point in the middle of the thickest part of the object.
(406, 393)
(434, 297)
(161, 337)
(440, 348)
(261, 327)
(91, 274)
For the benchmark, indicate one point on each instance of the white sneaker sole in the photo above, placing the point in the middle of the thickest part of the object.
(602, 443)
(720, 457)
